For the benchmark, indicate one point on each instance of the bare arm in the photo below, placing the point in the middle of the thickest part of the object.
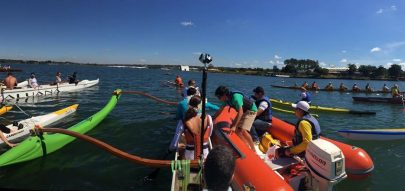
(235, 122)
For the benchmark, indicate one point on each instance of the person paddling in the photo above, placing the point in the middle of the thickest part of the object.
(263, 118)
(355, 88)
(314, 86)
(368, 88)
(306, 129)
(305, 85)
(329, 87)
(246, 113)
(385, 88)
(342, 87)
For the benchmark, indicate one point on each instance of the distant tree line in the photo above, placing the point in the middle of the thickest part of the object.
(393, 72)
(307, 66)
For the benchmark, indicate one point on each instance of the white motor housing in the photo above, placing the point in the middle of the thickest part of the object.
(326, 163)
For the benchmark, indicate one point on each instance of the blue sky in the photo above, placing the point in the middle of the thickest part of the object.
(235, 33)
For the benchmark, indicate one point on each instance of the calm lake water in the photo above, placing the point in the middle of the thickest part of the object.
(144, 127)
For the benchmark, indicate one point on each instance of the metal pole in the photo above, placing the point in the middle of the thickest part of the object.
(204, 93)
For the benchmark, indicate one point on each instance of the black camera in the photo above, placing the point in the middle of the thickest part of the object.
(205, 58)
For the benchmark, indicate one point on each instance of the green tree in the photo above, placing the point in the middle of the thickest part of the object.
(394, 71)
(367, 70)
(380, 72)
(352, 68)
(289, 69)
(276, 69)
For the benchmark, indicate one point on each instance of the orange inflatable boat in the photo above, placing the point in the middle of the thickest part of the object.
(358, 162)
(252, 172)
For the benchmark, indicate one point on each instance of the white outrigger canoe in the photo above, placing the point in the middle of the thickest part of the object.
(22, 129)
(22, 91)
(374, 134)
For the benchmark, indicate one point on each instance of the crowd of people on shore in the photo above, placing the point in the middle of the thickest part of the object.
(355, 88)
(11, 82)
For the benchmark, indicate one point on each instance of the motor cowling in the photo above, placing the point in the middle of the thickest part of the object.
(326, 163)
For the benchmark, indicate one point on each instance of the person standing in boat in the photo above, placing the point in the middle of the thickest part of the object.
(192, 130)
(305, 95)
(10, 81)
(385, 88)
(246, 113)
(395, 91)
(329, 87)
(33, 81)
(342, 87)
(355, 88)
(306, 129)
(58, 78)
(263, 118)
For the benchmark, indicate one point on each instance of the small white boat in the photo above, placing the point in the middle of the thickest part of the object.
(374, 134)
(23, 91)
(22, 129)
(282, 76)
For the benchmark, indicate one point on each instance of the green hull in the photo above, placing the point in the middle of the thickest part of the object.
(33, 147)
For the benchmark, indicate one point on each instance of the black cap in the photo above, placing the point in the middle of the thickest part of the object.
(258, 89)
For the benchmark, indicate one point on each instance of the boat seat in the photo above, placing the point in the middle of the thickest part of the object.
(281, 163)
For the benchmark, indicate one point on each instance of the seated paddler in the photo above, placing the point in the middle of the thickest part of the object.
(193, 131)
(263, 118)
(306, 129)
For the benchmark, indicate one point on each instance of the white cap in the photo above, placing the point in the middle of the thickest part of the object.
(303, 105)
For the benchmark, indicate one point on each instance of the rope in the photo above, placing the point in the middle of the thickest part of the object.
(149, 96)
(22, 110)
(113, 150)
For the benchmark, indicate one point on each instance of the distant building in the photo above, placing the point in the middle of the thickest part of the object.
(337, 70)
(185, 68)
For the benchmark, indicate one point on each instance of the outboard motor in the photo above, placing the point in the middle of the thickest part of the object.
(326, 163)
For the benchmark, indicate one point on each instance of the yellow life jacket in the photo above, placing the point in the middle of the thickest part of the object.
(267, 141)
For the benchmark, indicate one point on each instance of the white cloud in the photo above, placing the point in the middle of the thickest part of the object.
(393, 7)
(396, 60)
(375, 49)
(278, 62)
(237, 64)
(197, 53)
(187, 23)
(142, 60)
(277, 57)
(380, 11)
(388, 64)
(395, 45)
(322, 64)
(271, 62)
(344, 60)
(344, 51)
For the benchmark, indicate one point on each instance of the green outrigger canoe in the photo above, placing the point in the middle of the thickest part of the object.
(39, 146)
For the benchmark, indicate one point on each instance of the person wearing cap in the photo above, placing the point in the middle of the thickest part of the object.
(263, 116)
(305, 96)
(246, 112)
(33, 81)
(191, 84)
(395, 91)
(306, 129)
(329, 87)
